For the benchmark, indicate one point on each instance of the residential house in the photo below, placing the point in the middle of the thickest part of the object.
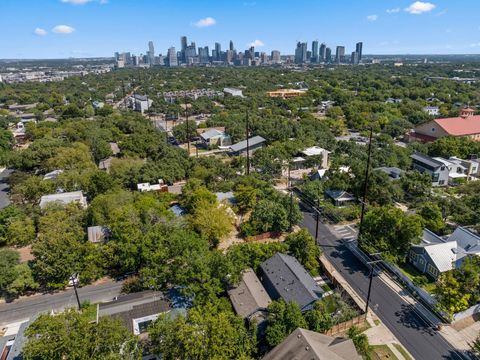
(98, 234)
(53, 174)
(13, 341)
(233, 92)
(285, 278)
(114, 147)
(215, 137)
(465, 125)
(249, 298)
(98, 104)
(437, 169)
(436, 254)
(393, 101)
(324, 106)
(456, 170)
(137, 310)
(304, 344)
(64, 198)
(286, 93)
(432, 110)
(472, 166)
(105, 164)
(394, 173)
(161, 186)
(254, 143)
(140, 103)
(318, 153)
(340, 197)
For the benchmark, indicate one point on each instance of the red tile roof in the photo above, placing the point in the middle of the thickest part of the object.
(460, 126)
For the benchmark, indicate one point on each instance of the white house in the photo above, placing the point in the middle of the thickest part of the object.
(233, 92)
(318, 151)
(64, 198)
(432, 110)
(140, 103)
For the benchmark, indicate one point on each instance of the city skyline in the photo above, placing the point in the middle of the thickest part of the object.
(97, 28)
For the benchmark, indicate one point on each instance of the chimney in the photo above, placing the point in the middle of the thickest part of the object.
(466, 112)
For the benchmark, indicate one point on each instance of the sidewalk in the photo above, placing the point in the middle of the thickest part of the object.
(378, 333)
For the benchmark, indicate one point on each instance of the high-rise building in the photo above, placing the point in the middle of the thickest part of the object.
(322, 55)
(263, 58)
(183, 41)
(151, 53)
(340, 54)
(314, 58)
(354, 58)
(229, 56)
(301, 53)
(218, 52)
(328, 55)
(172, 57)
(275, 57)
(358, 50)
(231, 46)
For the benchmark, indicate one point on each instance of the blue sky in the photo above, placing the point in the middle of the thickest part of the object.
(80, 28)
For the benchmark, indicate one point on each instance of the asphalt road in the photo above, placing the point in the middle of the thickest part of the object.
(24, 308)
(4, 201)
(414, 333)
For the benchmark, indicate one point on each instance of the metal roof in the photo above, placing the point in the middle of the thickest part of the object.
(426, 160)
(242, 145)
(212, 133)
(290, 280)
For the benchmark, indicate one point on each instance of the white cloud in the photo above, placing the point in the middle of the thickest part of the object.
(393, 11)
(208, 21)
(372, 17)
(76, 2)
(257, 43)
(40, 32)
(63, 29)
(419, 7)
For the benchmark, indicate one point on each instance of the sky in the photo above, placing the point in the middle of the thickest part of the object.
(91, 28)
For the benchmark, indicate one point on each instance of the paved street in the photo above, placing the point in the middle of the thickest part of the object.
(26, 307)
(421, 341)
(4, 201)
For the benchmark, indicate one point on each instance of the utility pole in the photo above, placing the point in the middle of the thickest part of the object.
(124, 95)
(248, 144)
(186, 123)
(74, 279)
(365, 184)
(291, 195)
(317, 219)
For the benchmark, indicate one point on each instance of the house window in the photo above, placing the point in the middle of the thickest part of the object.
(421, 261)
(413, 256)
(433, 129)
(432, 270)
(441, 182)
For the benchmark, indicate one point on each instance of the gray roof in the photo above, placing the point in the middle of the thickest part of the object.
(64, 198)
(212, 133)
(249, 296)
(290, 280)
(15, 352)
(242, 145)
(304, 344)
(426, 160)
(140, 97)
(339, 195)
(393, 172)
(134, 306)
(467, 242)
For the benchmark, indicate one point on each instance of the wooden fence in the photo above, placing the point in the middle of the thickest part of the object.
(342, 328)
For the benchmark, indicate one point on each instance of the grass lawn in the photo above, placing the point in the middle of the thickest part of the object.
(382, 352)
(402, 351)
(412, 273)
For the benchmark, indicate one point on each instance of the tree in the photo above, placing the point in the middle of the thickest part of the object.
(60, 248)
(8, 261)
(476, 346)
(360, 341)
(211, 331)
(318, 319)
(449, 293)
(180, 131)
(432, 217)
(282, 319)
(246, 197)
(23, 282)
(391, 231)
(212, 222)
(302, 246)
(269, 215)
(416, 185)
(72, 335)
